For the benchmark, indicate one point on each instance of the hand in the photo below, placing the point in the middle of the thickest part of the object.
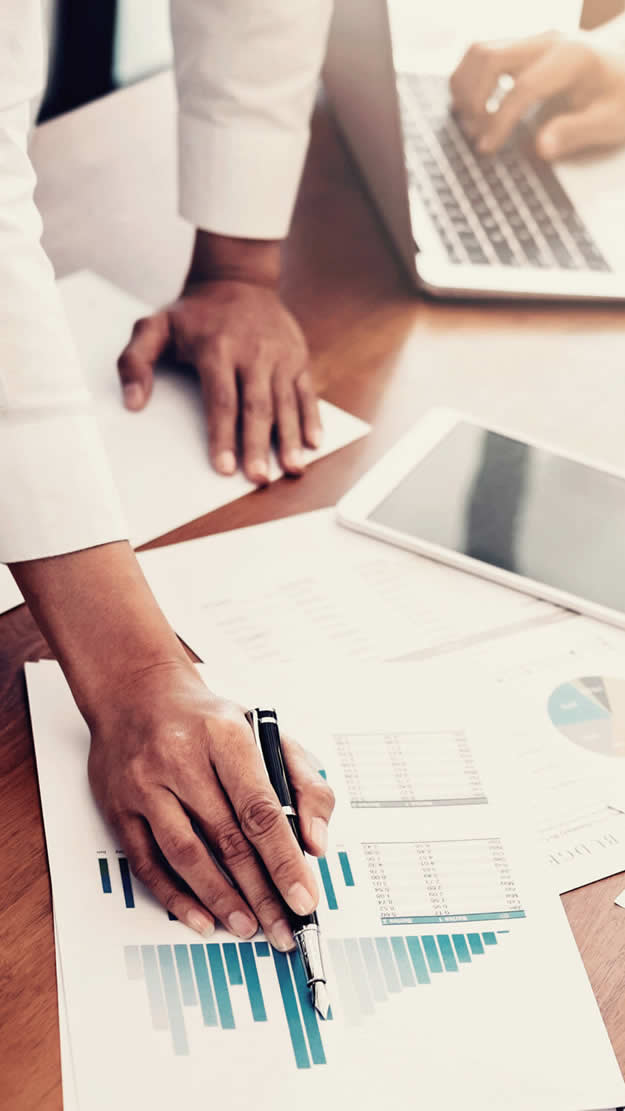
(250, 354)
(166, 753)
(588, 82)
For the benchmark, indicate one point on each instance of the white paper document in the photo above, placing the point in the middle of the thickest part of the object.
(454, 978)
(10, 594)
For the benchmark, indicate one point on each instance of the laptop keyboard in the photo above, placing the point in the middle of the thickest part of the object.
(507, 209)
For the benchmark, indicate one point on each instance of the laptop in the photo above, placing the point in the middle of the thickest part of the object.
(468, 225)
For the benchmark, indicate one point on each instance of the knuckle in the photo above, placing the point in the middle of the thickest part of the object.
(260, 816)
(257, 405)
(265, 907)
(183, 849)
(323, 795)
(232, 845)
(146, 872)
(282, 871)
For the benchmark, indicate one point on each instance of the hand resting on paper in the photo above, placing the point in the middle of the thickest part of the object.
(250, 354)
(581, 84)
(173, 767)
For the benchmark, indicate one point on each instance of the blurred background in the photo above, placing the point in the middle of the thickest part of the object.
(96, 46)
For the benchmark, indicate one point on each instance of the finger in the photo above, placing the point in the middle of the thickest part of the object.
(262, 821)
(240, 860)
(309, 410)
(148, 866)
(315, 797)
(474, 81)
(599, 124)
(257, 423)
(149, 339)
(286, 408)
(549, 76)
(188, 856)
(219, 386)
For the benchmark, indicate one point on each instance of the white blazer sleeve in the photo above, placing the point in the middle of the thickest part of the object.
(246, 72)
(56, 488)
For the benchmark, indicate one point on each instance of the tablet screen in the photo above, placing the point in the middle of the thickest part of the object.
(519, 508)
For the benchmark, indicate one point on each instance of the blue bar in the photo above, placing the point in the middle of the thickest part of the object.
(124, 872)
(262, 948)
(359, 976)
(105, 876)
(311, 1025)
(418, 960)
(388, 965)
(222, 994)
(343, 981)
(133, 962)
(153, 984)
(291, 1010)
(373, 970)
(254, 990)
(189, 997)
(172, 917)
(172, 998)
(489, 939)
(405, 968)
(462, 949)
(346, 868)
(232, 963)
(328, 886)
(431, 952)
(323, 773)
(475, 943)
(447, 953)
(205, 992)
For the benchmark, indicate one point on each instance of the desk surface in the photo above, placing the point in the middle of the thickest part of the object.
(107, 192)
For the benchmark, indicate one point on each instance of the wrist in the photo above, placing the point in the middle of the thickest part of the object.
(225, 258)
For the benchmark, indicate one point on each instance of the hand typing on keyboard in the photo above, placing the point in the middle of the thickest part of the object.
(585, 84)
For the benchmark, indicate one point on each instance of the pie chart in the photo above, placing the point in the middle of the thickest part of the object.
(590, 712)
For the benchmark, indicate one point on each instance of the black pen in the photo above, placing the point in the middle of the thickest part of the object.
(305, 928)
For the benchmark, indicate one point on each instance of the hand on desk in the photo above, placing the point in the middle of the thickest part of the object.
(250, 354)
(585, 84)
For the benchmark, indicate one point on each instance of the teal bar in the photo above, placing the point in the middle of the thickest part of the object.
(343, 981)
(205, 991)
(359, 976)
(189, 996)
(222, 995)
(311, 1026)
(373, 970)
(462, 949)
(328, 886)
(418, 960)
(447, 953)
(254, 990)
(432, 954)
(124, 872)
(133, 962)
(346, 869)
(262, 948)
(388, 965)
(232, 963)
(323, 773)
(172, 999)
(489, 939)
(405, 968)
(291, 1011)
(105, 875)
(155, 991)
(475, 943)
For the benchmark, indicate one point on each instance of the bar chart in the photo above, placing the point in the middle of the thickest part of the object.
(422, 882)
(212, 979)
(106, 872)
(409, 769)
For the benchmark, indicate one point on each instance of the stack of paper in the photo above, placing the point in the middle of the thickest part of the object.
(454, 977)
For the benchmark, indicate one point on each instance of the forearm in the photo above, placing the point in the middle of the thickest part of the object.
(99, 617)
(227, 258)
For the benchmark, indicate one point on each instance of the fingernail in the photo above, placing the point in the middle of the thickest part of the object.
(315, 437)
(241, 924)
(201, 923)
(281, 936)
(299, 899)
(259, 471)
(133, 396)
(226, 462)
(294, 460)
(319, 834)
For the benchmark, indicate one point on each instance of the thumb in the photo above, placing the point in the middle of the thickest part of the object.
(149, 339)
(572, 132)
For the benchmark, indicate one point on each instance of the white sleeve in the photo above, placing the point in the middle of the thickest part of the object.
(56, 488)
(246, 72)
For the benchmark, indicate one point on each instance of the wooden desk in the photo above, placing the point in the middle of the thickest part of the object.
(107, 191)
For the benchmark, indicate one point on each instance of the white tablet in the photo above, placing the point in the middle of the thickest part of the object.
(512, 510)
